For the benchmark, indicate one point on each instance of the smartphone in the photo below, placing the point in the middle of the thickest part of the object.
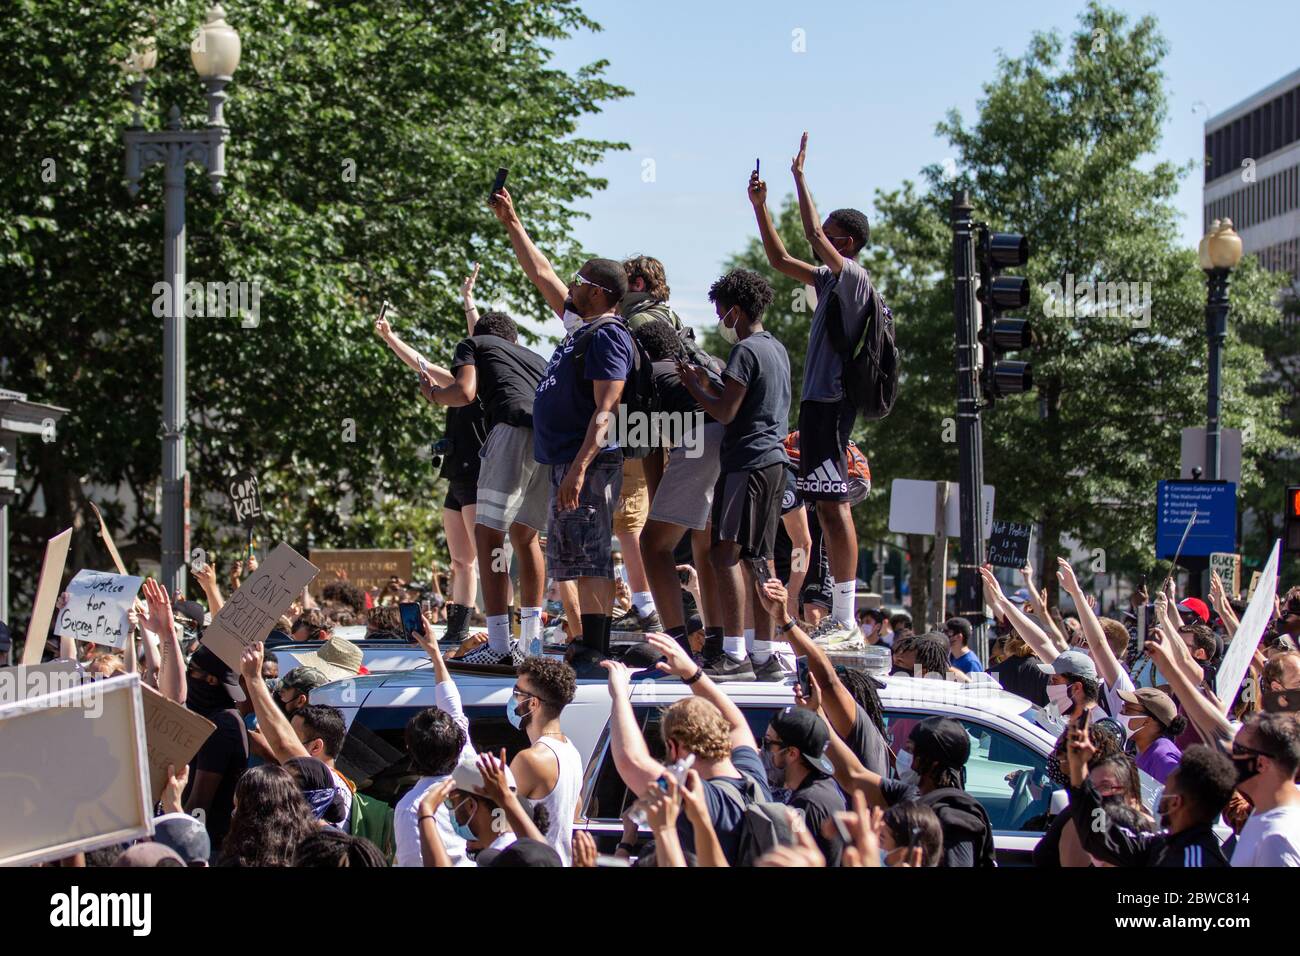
(758, 566)
(383, 309)
(620, 571)
(804, 676)
(684, 577)
(755, 167)
(411, 620)
(841, 828)
(498, 184)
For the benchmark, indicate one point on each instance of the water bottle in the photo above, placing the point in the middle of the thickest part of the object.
(535, 646)
(678, 772)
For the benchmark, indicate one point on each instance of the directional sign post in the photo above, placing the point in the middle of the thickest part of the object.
(1215, 527)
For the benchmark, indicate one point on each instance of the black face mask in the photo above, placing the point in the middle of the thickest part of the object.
(1247, 768)
(202, 697)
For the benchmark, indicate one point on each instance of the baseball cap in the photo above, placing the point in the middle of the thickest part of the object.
(1071, 664)
(208, 662)
(797, 727)
(641, 659)
(304, 678)
(1197, 607)
(941, 739)
(1020, 596)
(192, 611)
(338, 659)
(1155, 702)
(149, 854)
(466, 776)
(185, 835)
(525, 852)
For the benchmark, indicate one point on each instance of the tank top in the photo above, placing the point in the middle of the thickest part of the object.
(561, 802)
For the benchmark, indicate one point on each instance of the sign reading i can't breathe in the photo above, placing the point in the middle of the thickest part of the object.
(1008, 545)
(245, 500)
(97, 607)
(252, 611)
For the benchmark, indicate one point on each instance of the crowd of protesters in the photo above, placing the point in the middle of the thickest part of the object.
(536, 471)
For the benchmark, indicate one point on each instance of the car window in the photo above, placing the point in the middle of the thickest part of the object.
(1006, 776)
(374, 752)
(609, 797)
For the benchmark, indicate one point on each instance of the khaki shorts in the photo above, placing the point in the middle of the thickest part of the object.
(634, 504)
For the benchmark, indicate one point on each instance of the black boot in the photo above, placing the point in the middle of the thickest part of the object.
(457, 623)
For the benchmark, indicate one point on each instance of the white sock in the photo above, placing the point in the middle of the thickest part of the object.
(735, 647)
(785, 654)
(644, 603)
(749, 640)
(842, 603)
(530, 625)
(760, 651)
(499, 633)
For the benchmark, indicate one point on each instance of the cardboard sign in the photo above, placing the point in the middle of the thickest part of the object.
(75, 775)
(108, 541)
(366, 568)
(1008, 545)
(37, 680)
(1236, 659)
(1228, 567)
(250, 614)
(912, 507)
(47, 592)
(173, 735)
(97, 607)
(244, 499)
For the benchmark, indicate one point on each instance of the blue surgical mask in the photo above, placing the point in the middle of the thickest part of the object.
(514, 716)
(462, 829)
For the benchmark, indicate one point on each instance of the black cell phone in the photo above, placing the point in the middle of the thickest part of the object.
(411, 620)
(684, 577)
(762, 573)
(498, 184)
(383, 310)
(756, 167)
(804, 676)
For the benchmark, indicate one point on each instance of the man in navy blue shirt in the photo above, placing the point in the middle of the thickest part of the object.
(573, 410)
(963, 658)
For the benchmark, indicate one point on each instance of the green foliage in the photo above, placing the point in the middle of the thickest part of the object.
(422, 100)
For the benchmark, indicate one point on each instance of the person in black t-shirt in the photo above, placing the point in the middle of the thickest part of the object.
(492, 368)
(802, 776)
(212, 690)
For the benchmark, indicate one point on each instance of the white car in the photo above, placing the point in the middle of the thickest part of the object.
(1006, 770)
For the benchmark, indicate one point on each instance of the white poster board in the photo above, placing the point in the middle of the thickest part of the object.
(97, 607)
(250, 614)
(912, 504)
(1236, 660)
(75, 775)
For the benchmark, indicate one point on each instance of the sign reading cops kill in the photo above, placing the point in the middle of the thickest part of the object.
(244, 498)
(251, 612)
(1008, 545)
(1215, 529)
(97, 607)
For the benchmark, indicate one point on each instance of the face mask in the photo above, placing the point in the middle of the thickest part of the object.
(905, 767)
(727, 332)
(1059, 694)
(775, 774)
(1162, 811)
(571, 320)
(201, 696)
(514, 715)
(462, 829)
(1247, 768)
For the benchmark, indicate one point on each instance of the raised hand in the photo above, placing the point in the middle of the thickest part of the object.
(620, 678)
(796, 164)
(504, 207)
(993, 595)
(250, 662)
(159, 619)
(382, 327)
(493, 771)
(175, 786)
(772, 595)
(662, 806)
(757, 190)
(206, 575)
(1065, 574)
(435, 795)
(467, 287)
(678, 662)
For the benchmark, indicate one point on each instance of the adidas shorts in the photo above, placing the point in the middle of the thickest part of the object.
(512, 486)
(824, 431)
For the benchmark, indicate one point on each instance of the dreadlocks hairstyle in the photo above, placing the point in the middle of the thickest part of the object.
(855, 224)
(498, 324)
(332, 848)
(932, 654)
(745, 289)
(271, 819)
(659, 339)
(652, 271)
(860, 685)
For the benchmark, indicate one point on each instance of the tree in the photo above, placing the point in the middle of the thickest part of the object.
(364, 138)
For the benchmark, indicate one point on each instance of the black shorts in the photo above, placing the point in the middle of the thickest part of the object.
(824, 432)
(460, 494)
(790, 496)
(747, 509)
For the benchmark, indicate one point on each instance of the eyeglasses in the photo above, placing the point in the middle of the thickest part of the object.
(769, 742)
(579, 278)
(1241, 750)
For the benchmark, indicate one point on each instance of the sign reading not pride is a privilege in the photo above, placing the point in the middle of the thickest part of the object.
(1008, 545)
(251, 612)
(97, 607)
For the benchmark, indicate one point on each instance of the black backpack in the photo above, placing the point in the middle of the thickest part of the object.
(871, 367)
(953, 806)
(639, 396)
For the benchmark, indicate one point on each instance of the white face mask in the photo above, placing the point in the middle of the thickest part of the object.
(571, 321)
(727, 332)
(1059, 694)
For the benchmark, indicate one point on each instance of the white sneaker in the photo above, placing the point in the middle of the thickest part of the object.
(836, 635)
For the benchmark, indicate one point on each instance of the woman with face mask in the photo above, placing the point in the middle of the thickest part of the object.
(1153, 730)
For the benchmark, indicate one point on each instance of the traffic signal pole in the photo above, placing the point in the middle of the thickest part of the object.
(970, 444)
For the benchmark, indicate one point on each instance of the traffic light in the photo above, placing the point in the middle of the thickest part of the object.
(1291, 520)
(998, 294)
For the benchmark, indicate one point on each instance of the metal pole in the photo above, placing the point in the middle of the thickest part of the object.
(173, 443)
(1216, 331)
(970, 602)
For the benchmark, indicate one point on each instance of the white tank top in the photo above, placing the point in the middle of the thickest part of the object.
(562, 801)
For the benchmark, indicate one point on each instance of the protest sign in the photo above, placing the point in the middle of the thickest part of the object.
(174, 735)
(244, 498)
(250, 614)
(36, 680)
(70, 784)
(1008, 546)
(97, 607)
(47, 592)
(365, 567)
(1228, 567)
(1236, 660)
(108, 541)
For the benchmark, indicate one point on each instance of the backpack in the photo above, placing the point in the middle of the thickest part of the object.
(373, 819)
(954, 808)
(859, 470)
(639, 396)
(765, 824)
(871, 369)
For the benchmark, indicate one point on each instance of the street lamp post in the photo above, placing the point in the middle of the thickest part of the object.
(1219, 252)
(215, 55)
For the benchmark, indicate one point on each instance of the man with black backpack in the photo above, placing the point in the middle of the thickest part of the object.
(835, 386)
(573, 411)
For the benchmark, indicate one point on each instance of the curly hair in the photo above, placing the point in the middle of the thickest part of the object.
(932, 654)
(745, 289)
(271, 819)
(855, 224)
(555, 682)
(386, 618)
(652, 271)
(659, 339)
(498, 324)
(1206, 778)
(344, 592)
(332, 848)
(697, 726)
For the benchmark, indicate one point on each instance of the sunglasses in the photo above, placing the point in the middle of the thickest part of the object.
(1241, 750)
(579, 278)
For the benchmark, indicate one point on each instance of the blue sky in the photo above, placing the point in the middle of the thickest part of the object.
(717, 84)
